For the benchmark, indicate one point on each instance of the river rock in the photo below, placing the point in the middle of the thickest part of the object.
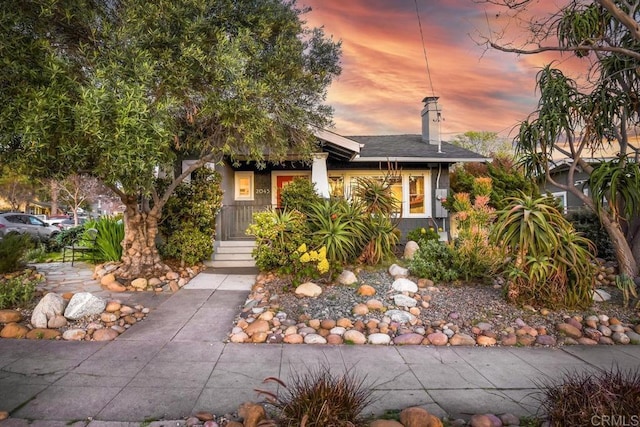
(49, 306)
(43, 334)
(105, 334)
(546, 340)
(314, 339)
(347, 278)
(486, 341)
(57, 321)
(8, 316)
(14, 330)
(251, 413)
(418, 417)
(139, 283)
(293, 339)
(379, 339)
(620, 338)
(568, 330)
(408, 339)
(634, 338)
(460, 339)
(354, 337)
(600, 295)
(396, 271)
(84, 304)
(404, 285)
(401, 300)
(400, 316)
(438, 338)
(366, 291)
(385, 423)
(410, 249)
(74, 334)
(309, 289)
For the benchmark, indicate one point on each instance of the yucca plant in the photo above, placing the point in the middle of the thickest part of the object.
(553, 265)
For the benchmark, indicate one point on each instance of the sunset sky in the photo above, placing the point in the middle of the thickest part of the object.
(384, 74)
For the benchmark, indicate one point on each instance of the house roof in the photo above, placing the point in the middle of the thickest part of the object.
(411, 148)
(337, 145)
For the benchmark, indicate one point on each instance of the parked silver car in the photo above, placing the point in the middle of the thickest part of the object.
(17, 222)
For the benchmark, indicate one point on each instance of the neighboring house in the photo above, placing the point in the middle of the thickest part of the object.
(560, 174)
(421, 179)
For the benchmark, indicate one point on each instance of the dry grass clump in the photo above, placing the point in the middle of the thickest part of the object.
(589, 398)
(318, 398)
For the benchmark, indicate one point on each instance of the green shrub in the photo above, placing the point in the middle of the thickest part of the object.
(110, 237)
(68, 236)
(278, 234)
(593, 398)
(189, 245)
(13, 247)
(192, 208)
(475, 259)
(318, 398)
(299, 195)
(16, 291)
(423, 234)
(434, 260)
(36, 254)
(586, 222)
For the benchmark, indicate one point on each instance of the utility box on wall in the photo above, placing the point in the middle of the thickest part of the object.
(440, 211)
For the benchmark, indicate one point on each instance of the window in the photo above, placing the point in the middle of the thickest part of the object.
(244, 186)
(417, 202)
(561, 197)
(410, 189)
(336, 186)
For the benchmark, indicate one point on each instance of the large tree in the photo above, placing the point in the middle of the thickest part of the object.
(119, 89)
(581, 117)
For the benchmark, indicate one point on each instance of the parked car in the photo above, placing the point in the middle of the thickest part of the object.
(21, 223)
(55, 220)
(68, 223)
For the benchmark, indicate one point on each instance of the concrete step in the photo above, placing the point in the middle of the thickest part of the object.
(236, 243)
(229, 264)
(232, 256)
(234, 249)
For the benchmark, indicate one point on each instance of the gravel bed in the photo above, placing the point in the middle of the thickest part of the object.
(460, 305)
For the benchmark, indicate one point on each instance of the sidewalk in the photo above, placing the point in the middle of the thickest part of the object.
(175, 363)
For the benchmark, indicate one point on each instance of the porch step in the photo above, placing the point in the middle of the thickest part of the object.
(232, 254)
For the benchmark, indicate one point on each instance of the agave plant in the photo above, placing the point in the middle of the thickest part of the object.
(376, 196)
(339, 228)
(382, 240)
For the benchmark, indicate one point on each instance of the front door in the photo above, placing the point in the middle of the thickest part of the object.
(284, 179)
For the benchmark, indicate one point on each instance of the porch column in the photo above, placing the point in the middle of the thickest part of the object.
(319, 174)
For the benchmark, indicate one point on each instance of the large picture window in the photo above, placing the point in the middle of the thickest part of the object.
(244, 186)
(411, 190)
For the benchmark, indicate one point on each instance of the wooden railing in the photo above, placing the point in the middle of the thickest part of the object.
(234, 220)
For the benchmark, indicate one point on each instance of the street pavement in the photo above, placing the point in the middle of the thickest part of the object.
(176, 362)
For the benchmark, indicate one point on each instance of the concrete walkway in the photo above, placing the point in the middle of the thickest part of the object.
(176, 363)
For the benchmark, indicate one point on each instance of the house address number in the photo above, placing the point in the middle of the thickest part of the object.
(263, 190)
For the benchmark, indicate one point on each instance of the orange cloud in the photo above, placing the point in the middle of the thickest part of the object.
(385, 77)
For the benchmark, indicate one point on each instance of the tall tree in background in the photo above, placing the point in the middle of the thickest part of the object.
(118, 89)
(579, 120)
(76, 190)
(483, 142)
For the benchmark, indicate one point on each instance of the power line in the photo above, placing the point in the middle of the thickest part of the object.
(424, 49)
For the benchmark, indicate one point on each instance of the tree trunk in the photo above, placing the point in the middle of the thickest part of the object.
(627, 263)
(140, 257)
(54, 197)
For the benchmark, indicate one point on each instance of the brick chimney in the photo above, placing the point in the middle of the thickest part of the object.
(431, 120)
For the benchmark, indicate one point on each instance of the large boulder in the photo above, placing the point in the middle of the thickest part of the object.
(49, 307)
(84, 304)
(396, 271)
(347, 278)
(404, 285)
(308, 289)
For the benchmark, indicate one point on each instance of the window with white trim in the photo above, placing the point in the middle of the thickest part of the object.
(244, 186)
(561, 197)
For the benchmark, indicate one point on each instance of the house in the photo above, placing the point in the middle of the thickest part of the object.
(421, 179)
